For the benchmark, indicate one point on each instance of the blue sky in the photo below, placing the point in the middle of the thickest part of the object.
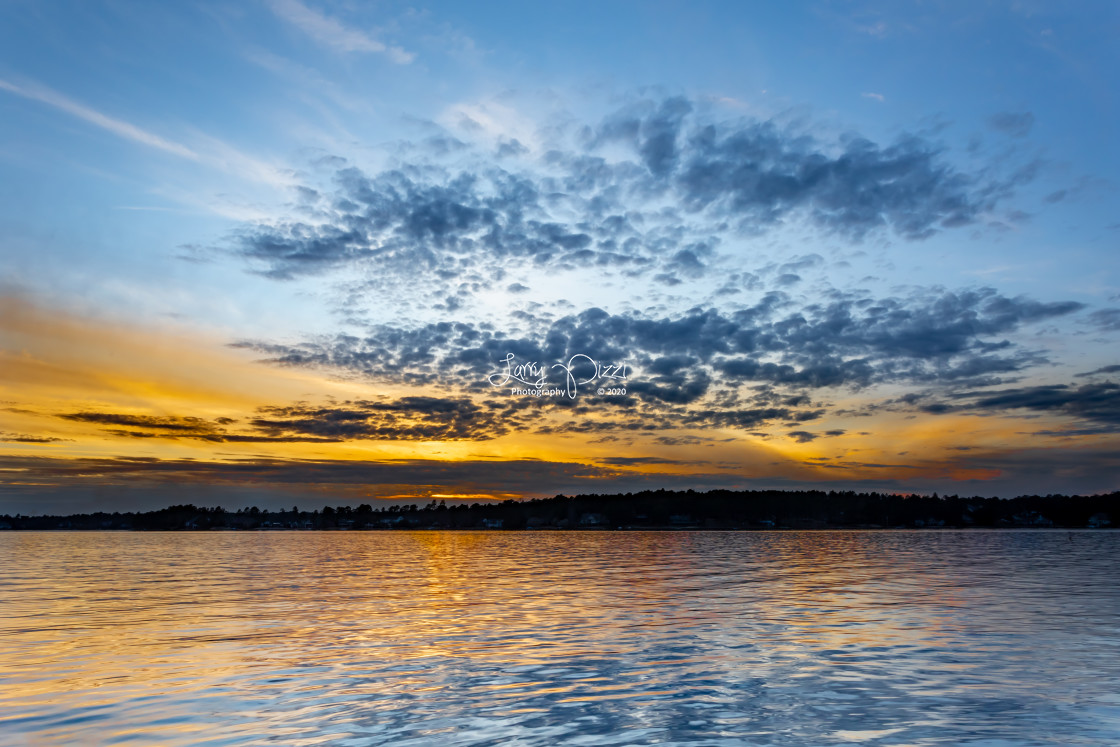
(916, 198)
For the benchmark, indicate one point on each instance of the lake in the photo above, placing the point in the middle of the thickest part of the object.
(560, 638)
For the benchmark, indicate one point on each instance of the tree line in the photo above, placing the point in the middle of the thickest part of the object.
(656, 509)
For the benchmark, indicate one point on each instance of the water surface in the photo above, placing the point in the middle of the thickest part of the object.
(560, 638)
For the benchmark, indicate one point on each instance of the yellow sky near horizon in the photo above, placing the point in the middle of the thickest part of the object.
(56, 364)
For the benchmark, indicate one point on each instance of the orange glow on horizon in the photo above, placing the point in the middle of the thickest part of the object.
(55, 365)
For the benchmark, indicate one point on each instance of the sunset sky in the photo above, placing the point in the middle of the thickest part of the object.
(278, 252)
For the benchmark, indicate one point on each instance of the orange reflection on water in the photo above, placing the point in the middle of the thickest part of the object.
(193, 635)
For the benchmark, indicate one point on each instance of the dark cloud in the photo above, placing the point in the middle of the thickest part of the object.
(746, 369)
(652, 129)
(511, 147)
(786, 279)
(741, 419)
(846, 341)
(23, 438)
(1107, 319)
(761, 175)
(687, 440)
(1103, 370)
(162, 423)
(414, 418)
(179, 427)
(637, 461)
(687, 262)
(1097, 403)
(404, 419)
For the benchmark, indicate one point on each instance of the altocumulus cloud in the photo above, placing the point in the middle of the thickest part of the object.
(657, 191)
(601, 202)
(849, 340)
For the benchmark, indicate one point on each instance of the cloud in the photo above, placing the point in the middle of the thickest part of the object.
(118, 127)
(1106, 319)
(875, 96)
(760, 175)
(1015, 124)
(406, 419)
(24, 438)
(208, 150)
(1099, 403)
(177, 427)
(685, 371)
(1096, 403)
(878, 29)
(380, 479)
(1037, 471)
(1103, 370)
(332, 33)
(787, 279)
(602, 205)
(170, 423)
(637, 461)
(415, 418)
(39, 485)
(337, 480)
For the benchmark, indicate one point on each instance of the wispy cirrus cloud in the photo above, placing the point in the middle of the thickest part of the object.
(332, 33)
(119, 127)
(208, 150)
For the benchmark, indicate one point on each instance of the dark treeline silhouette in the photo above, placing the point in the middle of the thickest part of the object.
(660, 509)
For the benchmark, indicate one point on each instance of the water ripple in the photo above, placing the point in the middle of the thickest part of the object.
(621, 638)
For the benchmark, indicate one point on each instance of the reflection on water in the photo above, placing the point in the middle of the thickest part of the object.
(560, 638)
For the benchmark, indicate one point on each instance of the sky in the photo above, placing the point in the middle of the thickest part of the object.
(320, 252)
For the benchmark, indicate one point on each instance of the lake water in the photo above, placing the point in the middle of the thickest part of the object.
(550, 638)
